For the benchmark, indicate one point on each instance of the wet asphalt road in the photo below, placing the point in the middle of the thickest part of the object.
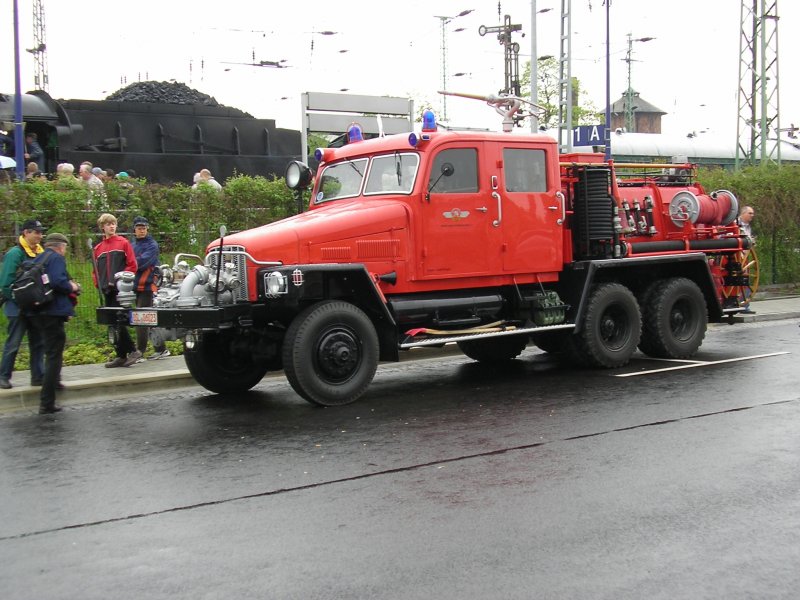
(447, 480)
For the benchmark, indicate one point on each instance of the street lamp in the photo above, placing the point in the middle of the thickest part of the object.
(444, 21)
(534, 65)
(313, 33)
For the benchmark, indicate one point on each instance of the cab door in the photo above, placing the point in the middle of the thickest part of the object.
(529, 209)
(456, 226)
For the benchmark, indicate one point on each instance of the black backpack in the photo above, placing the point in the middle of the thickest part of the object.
(31, 288)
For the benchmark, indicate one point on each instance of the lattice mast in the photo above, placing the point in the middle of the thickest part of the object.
(758, 96)
(39, 50)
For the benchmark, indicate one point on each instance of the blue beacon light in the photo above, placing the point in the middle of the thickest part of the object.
(428, 121)
(428, 125)
(354, 133)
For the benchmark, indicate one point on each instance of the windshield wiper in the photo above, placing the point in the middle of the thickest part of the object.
(398, 161)
(355, 168)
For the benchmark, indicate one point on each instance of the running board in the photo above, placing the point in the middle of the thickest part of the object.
(439, 340)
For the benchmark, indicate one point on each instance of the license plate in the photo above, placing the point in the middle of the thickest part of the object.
(147, 318)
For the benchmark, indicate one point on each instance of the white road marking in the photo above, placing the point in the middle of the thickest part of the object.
(701, 364)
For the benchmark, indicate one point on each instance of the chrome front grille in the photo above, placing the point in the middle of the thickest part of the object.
(238, 257)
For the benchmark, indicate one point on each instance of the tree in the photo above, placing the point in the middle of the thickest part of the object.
(585, 113)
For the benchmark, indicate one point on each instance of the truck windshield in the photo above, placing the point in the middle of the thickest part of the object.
(342, 180)
(392, 173)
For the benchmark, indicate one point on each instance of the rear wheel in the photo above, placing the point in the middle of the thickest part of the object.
(611, 327)
(674, 319)
(222, 364)
(330, 353)
(494, 350)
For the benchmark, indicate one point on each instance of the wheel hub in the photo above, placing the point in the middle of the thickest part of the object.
(613, 328)
(679, 319)
(338, 355)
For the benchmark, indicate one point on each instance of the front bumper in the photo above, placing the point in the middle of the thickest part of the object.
(212, 317)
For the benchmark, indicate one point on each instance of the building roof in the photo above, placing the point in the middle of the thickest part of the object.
(640, 105)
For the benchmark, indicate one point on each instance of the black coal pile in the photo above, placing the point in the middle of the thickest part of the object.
(162, 92)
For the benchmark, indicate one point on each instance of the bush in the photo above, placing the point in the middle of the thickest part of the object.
(181, 220)
(774, 193)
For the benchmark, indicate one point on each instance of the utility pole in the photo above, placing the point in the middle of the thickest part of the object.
(444, 21)
(758, 96)
(565, 79)
(630, 109)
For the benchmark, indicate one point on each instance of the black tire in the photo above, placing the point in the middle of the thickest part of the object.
(612, 325)
(494, 350)
(551, 342)
(214, 364)
(330, 353)
(674, 319)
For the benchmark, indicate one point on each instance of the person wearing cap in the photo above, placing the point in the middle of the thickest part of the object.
(49, 320)
(111, 256)
(27, 247)
(145, 284)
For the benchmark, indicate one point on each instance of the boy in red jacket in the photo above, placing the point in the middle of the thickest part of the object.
(112, 255)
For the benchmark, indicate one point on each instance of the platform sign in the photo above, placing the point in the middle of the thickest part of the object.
(589, 135)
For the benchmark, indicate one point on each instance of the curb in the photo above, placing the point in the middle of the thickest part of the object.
(758, 317)
(26, 397)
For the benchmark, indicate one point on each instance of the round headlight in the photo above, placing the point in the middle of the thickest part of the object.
(298, 175)
(276, 283)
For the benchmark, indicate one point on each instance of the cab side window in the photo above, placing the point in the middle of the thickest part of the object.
(464, 162)
(524, 170)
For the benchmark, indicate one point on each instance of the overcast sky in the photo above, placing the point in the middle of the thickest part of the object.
(690, 69)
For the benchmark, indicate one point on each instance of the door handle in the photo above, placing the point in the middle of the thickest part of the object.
(482, 209)
(499, 218)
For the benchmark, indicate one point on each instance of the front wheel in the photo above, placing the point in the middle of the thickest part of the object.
(221, 364)
(330, 353)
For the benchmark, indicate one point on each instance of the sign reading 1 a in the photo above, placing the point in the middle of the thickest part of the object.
(589, 135)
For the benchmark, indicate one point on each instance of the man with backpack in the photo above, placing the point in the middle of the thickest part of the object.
(27, 247)
(49, 319)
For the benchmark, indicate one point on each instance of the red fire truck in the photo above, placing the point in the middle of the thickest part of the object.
(488, 240)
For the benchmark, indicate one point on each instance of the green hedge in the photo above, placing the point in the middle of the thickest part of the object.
(774, 194)
(181, 220)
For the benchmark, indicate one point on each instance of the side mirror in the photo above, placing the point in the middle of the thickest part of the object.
(447, 170)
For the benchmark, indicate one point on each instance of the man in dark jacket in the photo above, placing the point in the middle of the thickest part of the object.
(145, 284)
(33, 151)
(28, 246)
(49, 320)
(112, 255)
